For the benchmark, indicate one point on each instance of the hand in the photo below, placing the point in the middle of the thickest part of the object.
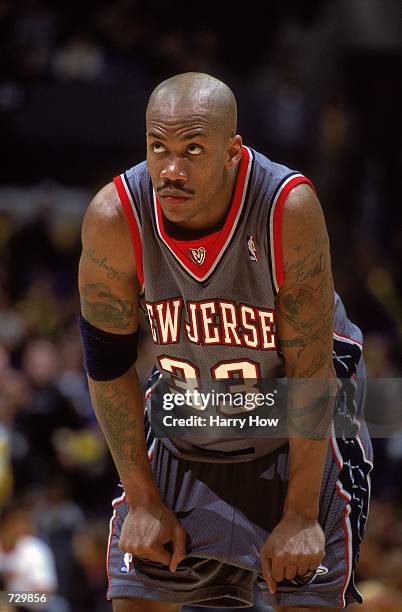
(294, 547)
(146, 530)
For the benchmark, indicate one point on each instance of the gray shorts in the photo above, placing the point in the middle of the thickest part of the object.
(228, 511)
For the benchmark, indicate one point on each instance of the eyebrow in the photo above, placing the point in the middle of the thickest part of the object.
(195, 134)
(190, 136)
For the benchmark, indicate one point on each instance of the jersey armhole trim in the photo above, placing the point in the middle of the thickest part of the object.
(133, 223)
(275, 225)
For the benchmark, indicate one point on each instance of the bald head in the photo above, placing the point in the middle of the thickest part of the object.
(193, 93)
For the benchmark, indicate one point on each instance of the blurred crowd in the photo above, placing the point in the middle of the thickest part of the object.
(307, 92)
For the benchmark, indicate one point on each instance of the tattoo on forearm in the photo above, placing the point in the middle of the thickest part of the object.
(99, 305)
(112, 273)
(118, 423)
(316, 364)
(310, 407)
(308, 434)
(292, 343)
(308, 309)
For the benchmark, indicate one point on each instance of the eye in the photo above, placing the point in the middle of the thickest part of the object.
(194, 149)
(157, 147)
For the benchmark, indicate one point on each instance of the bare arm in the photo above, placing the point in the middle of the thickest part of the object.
(109, 301)
(304, 309)
(305, 327)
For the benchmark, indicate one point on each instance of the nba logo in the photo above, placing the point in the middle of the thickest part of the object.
(127, 560)
(251, 248)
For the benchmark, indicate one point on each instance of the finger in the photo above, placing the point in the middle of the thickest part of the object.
(179, 548)
(316, 556)
(278, 568)
(158, 553)
(266, 566)
(314, 563)
(290, 571)
(302, 567)
(127, 546)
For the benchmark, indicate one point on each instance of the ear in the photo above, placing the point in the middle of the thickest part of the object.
(233, 152)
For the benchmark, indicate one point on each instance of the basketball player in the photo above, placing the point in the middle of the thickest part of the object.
(227, 253)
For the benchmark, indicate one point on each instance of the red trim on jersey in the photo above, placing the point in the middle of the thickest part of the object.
(277, 225)
(116, 502)
(347, 555)
(215, 248)
(132, 223)
(348, 338)
(197, 242)
(184, 246)
(346, 514)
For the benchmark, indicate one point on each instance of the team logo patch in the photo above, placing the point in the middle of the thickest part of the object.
(251, 248)
(308, 578)
(127, 563)
(198, 255)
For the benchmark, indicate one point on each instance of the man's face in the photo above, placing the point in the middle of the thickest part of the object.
(187, 157)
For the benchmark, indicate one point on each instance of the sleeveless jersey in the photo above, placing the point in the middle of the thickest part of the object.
(210, 303)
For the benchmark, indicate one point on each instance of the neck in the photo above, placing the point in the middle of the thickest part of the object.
(214, 218)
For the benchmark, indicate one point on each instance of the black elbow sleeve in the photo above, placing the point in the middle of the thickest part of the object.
(107, 356)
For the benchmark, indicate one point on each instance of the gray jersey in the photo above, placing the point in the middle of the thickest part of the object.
(210, 302)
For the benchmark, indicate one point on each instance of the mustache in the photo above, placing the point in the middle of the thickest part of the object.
(174, 185)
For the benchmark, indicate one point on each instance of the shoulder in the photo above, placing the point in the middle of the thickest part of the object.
(105, 205)
(301, 200)
(105, 213)
(305, 243)
(106, 239)
(302, 213)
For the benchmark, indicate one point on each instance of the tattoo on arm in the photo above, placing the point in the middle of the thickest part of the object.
(312, 263)
(111, 272)
(306, 308)
(316, 364)
(99, 305)
(297, 342)
(310, 407)
(118, 423)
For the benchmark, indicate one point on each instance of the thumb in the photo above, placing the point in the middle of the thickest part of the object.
(266, 564)
(161, 555)
(179, 548)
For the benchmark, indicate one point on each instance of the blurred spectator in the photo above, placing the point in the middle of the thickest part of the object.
(378, 598)
(31, 250)
(26, 562)
(57, 517)
(287, 119)
(6, 475)
(34, 31)
(39, 307)
(12, 324)
(80, 59)
(89, 545)
(384, 390)
(71, 380)
(47, 412)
